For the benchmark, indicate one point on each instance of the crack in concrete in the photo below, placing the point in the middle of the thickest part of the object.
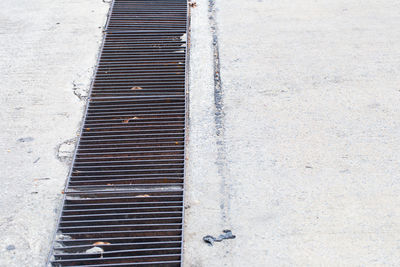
(219, 116)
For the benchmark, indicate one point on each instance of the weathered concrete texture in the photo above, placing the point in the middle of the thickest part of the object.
(48, 50)
(306, 170)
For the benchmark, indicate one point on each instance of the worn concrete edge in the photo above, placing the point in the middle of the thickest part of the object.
(187, 121)
(200, 81)
(71, 163)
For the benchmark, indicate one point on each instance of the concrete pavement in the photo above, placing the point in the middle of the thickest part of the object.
(48, 51)
(298, 152)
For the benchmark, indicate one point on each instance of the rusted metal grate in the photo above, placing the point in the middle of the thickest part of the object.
(123, 202)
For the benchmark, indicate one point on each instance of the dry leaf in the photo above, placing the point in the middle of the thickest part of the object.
(192, 4)
(176, 143)
(87, 129)
(136, 88)
(101, 243)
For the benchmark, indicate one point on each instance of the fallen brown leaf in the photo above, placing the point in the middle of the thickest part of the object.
(136, 88)
(127, 120)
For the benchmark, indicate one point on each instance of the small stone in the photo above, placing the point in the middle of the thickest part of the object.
(10, 247)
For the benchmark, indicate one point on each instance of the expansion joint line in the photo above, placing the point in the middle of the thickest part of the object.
(219, 117)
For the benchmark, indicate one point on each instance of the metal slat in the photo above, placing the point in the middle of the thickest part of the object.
(124, 195)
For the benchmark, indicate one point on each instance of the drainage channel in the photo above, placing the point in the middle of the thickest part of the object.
(123, 203)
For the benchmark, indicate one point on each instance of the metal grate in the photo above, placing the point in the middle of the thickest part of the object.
(123, 202)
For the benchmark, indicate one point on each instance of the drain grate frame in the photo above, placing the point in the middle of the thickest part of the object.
(124, 198)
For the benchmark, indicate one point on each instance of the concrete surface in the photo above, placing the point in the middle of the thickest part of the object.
(294, 128)
(48, 51)
(299, 154)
